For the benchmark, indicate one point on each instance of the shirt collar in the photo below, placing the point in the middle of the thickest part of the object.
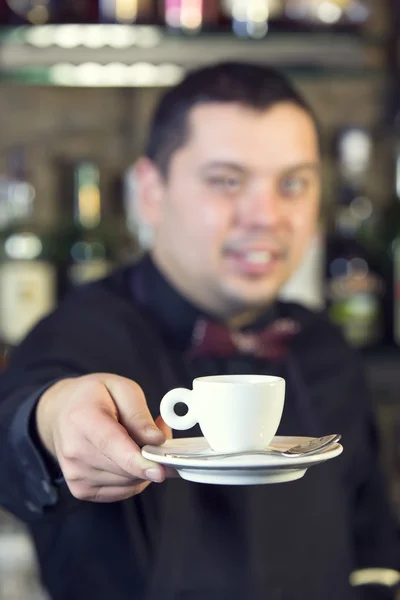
(174, 315)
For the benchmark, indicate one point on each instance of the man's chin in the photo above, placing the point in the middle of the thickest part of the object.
(251, 299)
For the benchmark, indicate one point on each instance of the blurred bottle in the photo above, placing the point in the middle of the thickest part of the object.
(89, 243)
(127, 248)
(16, 12)
(306, 286)
(355, 284)
(128, 11)
(341, 14)
(251, 18)
(190, 16)
(28, 275)
(139, 231)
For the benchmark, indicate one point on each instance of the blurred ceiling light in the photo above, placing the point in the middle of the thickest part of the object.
(115, 74)
(41, 36)
(170, 74)
(68, 36)
(90, 74)
(118, 36)
(143, 74)
(148, 37)
(93, 36)
(140, 74)
(62, 73)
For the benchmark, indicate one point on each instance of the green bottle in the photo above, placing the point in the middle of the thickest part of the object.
(90, 253)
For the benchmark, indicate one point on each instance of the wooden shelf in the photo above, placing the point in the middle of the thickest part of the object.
(48, 45)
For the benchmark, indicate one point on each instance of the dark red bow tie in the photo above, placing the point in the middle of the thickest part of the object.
(214, 339)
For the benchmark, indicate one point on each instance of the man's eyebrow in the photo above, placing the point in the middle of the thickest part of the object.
(223, 164)
(235, 166)
(311, 166)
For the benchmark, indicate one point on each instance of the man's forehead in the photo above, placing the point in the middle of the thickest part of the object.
(232, 113)
(276, 127)
(245, 137)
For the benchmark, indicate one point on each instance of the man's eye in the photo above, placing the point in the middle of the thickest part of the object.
(225, 183)
(293, 186)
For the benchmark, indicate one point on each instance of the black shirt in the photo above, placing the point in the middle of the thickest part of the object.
(181, 540)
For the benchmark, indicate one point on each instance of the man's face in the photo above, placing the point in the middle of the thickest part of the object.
(239, 205)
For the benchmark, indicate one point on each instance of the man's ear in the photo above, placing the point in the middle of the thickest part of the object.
(150, 187)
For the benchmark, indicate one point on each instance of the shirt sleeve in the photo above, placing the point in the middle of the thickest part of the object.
(75, 340)
(31, 482)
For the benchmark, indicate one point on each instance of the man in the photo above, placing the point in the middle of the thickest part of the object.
(230, 186)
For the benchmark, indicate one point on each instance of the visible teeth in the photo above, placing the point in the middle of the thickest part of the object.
(258, 257)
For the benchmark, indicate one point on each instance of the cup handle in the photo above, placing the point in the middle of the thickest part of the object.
(167, 409)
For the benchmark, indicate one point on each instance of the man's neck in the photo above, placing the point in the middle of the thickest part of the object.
(235, 318)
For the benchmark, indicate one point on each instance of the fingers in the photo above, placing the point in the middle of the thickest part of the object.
(100, 441)
(171, 473)
(87, 492)
(105, 494)
(133, 412)
(114, 444)
(98, 425)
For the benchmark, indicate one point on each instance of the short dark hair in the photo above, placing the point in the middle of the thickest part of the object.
(255, 86)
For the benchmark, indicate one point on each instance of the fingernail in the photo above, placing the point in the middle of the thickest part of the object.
(155, 475)
(155, 432)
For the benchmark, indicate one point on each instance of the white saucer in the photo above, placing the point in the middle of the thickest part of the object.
(237, 470)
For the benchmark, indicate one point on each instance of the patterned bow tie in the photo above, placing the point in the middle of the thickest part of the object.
(213, 339)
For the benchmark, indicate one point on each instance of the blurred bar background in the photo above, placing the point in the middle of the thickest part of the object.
(78, 81)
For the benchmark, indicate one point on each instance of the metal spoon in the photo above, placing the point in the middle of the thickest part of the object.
(304, 449)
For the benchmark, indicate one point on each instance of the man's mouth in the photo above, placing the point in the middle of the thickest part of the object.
(253, 262)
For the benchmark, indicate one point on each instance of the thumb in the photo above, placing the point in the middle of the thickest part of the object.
(133, 412)
(166, 429)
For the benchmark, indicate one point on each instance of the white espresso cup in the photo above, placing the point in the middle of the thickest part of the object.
(235, 412)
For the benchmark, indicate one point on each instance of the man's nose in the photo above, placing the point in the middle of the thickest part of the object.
(263, 208)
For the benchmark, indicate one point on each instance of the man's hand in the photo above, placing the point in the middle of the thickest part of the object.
(95, 426)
